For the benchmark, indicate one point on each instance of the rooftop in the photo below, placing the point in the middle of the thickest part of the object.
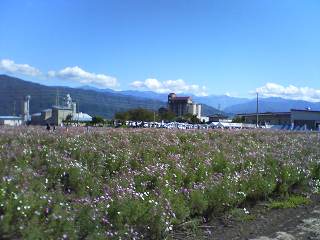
(82, 117)
(61, 107)
(264, 113)
(278, 113)
(10, 118)
(304, 110)
(180, 99)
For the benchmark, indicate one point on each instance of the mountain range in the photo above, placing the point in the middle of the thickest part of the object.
(229, 105)
(92, 101)
(107, 102)
(216, 101)
(272, 104)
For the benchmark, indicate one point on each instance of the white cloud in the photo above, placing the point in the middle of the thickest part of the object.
(290, 92)
(82, 76)
(10, 66)
(176, 86)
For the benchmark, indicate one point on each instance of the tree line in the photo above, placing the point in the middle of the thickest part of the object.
(141, 114)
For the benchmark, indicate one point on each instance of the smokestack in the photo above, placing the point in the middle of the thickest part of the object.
(26, 108)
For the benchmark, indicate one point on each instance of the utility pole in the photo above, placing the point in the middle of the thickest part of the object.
(257, 110)
(78, 112)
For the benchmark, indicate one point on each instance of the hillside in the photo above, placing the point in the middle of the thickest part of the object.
(272, 105)
(13, 91)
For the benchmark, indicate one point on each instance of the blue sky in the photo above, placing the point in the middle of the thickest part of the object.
(199, 46)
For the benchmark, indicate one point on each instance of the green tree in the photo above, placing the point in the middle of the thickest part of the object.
(122, 116)
(167, 115)
(141, 114)
(138, 114)
(194, 119)
(97, 120)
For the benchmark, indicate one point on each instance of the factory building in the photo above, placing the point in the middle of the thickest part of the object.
(217, 117)
(59, 113)
(81, 117)
(53, 116)
(183, 105)
(18, 120)
(11, 120)
(295, 118)
(272, 118)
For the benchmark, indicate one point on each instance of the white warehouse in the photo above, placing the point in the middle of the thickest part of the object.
(11, 120)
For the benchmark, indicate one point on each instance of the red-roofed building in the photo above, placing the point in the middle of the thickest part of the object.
(183, 105)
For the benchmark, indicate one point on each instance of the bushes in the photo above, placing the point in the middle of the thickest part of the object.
(198, 203)
(290, 202)
(290, 176)
(219, 164)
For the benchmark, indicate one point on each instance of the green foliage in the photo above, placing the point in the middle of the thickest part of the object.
(138, 114)
(259, 187)
(166, 116)
(241, 214)
(189, 118)
(198, 203)
(179, 207)
(219, 164)
(290, 176)
(315, 171)
(290, 202)
(98, 120)
(221, 197)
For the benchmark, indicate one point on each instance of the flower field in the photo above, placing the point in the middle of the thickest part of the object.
(141, 183)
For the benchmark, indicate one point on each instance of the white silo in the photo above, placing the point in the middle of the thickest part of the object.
(26, 108)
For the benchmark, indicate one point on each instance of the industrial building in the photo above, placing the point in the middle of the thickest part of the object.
(183, 105)
(217, 117)
(53, 116)
(17, 120)
(59, 113)
(81, 117)
(296, 118)
(11, 120)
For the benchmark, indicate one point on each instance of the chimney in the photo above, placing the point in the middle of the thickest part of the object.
(26, 108)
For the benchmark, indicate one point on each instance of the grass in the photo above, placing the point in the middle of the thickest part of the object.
(290, 202)
(241, 214)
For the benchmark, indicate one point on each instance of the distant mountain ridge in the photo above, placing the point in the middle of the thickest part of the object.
(273, 104)
(105, 103)
(232, 105)
(216, 101)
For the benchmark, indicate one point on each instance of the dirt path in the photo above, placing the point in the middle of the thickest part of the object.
(298, 223)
